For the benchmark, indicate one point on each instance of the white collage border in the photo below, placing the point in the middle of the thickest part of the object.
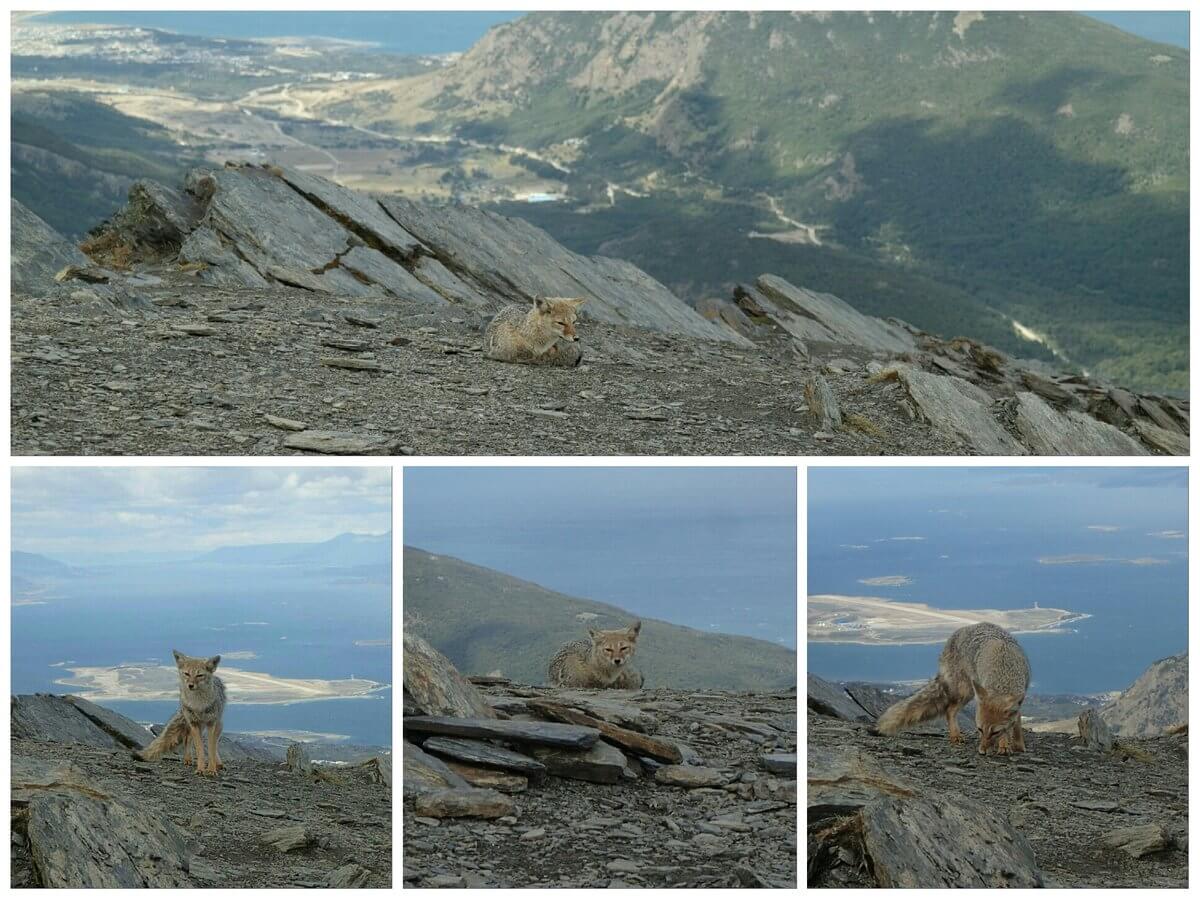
(398, 465)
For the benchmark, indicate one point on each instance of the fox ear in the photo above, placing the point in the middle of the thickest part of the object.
(179, 657)
(593, 633)
(635, 628)
(578, 302)
(212, 663)
(542, 304)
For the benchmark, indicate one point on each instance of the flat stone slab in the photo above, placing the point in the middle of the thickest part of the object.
(79, 836)
(690, 776)
(958, 410)
(480, 753)
(338, 443)
(547, 734)
(950, 842)
(1049, 432)
(468, 803)
(840, 783)
(780, 763)
(602, 763)
(640, 744)
(424, 772)
(505, 782)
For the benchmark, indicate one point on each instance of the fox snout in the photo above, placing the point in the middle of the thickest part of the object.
(618, 661)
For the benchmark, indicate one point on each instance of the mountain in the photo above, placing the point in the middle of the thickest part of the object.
(1158, 700)
(913, 810)
(74, 159)
(1031, 167)
(35, 565)
(347, 549)
(485, 621)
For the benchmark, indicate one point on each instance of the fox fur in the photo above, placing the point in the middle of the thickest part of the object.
(982, 661)
(539, 335)
(602, 661)
(201, 708)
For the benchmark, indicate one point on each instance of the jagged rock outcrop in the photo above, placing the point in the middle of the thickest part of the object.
(86, 813)
(700, 780)
(1157, 701)
(258, 226)
(38, 251)
(913, 810)
(262, 311)
(972, 395)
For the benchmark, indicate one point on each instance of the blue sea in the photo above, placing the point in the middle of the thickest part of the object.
(983, 533)
(709, 548)
(299, 621)
(424, 33)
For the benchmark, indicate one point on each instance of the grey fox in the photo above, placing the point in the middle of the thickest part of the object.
(201, 706)
(602, 661)
(982, 661)
(539, 335)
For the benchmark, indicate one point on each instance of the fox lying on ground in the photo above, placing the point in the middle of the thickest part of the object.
(539, 335)
(982, 661)
(602, 661)
(201, 705)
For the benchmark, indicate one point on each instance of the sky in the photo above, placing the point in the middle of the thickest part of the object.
(443, 32)
(706, 547)
(176, 509)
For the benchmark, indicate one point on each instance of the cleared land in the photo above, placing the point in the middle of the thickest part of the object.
(150, 682)
(837, 618)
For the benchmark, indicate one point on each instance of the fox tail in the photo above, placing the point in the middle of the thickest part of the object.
(172, 735)
(929, 702)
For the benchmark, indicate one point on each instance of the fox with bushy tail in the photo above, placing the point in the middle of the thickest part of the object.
(982, 661)
(201, 708)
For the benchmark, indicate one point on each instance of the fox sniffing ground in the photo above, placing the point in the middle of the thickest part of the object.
(201, 706)
(602, 661)
(539, 335)
(982, 661)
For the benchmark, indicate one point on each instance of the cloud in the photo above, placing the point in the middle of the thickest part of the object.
(238, 654)
(1104, 528)
(900, 538)
(68, 511)
(854, 546)
(886, 580)
(1170, 535)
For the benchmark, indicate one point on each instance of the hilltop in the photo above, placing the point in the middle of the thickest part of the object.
(508, 785)
(265, 311)
(486, 621)
(87, 814)
(912, 810)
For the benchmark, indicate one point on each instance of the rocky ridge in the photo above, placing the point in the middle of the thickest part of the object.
(914, 810)
(509, 785)
(87, 814)
(265, 311)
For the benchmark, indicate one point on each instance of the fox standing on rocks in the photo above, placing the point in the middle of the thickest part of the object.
(540, 335)
(982, 661)
(600, 662)
(201, 705)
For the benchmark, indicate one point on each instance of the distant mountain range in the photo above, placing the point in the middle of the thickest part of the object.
(1021, 178)
(960, 170)
(346, 550)
(486, 621)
